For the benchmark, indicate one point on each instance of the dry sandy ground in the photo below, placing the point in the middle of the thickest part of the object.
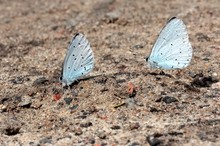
(175, 108)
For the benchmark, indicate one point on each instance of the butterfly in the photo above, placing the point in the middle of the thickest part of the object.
(172, 49)
(79, 60)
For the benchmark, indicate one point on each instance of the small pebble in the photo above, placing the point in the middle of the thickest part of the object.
(115, 127)
(204, 81)
(169, 99)
(113, 16)
(18, 80)
(25, 102)
(46, 140)
(101, 80)
(135, 144)
(86, 124)
(101, 134)
(40, 81)
(3, 108)
(78, 131)
(134, 126)
(12, 131)
(153, 141)
(215, 77)
(138, 46)
(73, 107)
(201, 37)
(68, 100)
(216, 85)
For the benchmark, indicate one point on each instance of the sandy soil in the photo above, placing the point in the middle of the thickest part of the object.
(175, 108)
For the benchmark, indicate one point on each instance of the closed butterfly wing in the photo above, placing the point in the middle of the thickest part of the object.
(79, 60)
(172, 48)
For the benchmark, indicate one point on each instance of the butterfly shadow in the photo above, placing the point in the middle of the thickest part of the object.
(161, 73)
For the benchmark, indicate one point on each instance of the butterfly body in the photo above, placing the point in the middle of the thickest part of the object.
(172, 49)
(79, 60)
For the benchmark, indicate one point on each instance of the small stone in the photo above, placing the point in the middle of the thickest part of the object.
(204, 81)
(91, 140)
(101, 134)
(3, 108)
(12, 131)
(46, 140)
(134, 126)
(201, 37)
(115, 127)
(138, 46)
(17, 98)
(216, 85)
(68, 100)
(86, 124)
(40, 81)
(18, 80)
(113, 16)
(4, 99)
(215, 77)
(153, 141)
(71, 23)
(73, 107)
(169, 99)
(25, 102)
(135, 144)
(101, 80)
(78, 131)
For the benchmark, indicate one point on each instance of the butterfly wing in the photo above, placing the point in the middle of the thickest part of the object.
(79, 60)
(172, 48)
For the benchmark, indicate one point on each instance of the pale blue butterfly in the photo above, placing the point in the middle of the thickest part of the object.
(79, 60)
(172, 49)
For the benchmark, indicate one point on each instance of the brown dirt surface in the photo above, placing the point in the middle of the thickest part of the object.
(122, 102)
